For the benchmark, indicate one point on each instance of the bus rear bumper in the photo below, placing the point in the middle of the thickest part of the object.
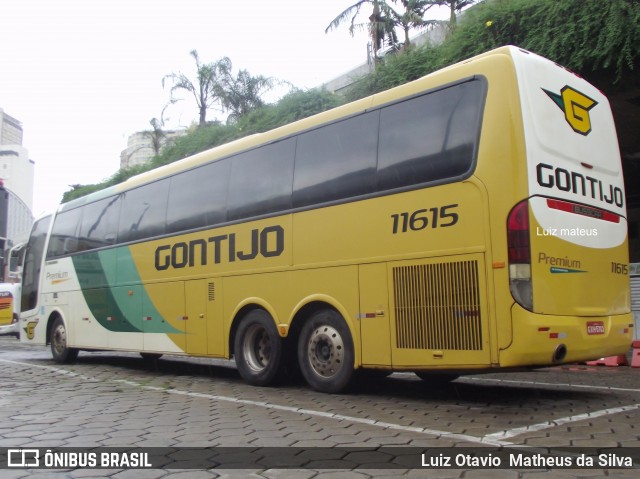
(540, 340)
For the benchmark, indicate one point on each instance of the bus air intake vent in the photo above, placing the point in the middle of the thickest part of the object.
(212, 291)
(437, 306)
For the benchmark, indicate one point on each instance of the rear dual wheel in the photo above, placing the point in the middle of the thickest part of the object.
(325, 352)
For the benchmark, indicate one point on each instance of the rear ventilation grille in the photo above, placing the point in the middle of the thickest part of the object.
(212, 291)
(437, 306)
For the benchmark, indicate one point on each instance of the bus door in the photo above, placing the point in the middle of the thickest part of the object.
(204, 317)
(374, 315)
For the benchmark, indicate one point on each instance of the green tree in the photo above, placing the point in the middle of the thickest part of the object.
(385, 18)
(204, 87)
(411, 17)
(586, 36)
(157, 135)
(598, 40)
(295, 105)
(243, 93)
(455, 6)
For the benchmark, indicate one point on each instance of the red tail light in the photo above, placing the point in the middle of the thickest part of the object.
(519, 245)
(518, 234)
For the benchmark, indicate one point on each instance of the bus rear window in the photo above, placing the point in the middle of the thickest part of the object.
(430, 138)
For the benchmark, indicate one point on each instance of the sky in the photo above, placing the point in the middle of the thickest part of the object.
(82, 75)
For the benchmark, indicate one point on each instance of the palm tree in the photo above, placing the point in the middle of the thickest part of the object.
(455, 6)
(379, 26)
(384, 19)
(411, 17)
(157, 135)
(243, 93)
(205, 88)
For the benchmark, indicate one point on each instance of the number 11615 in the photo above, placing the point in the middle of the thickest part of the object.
(424, 218)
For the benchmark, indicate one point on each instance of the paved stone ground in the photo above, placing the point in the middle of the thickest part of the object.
(109, 399)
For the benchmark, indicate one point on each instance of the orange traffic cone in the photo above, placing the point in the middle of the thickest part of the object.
(613, 361)
(635, 354)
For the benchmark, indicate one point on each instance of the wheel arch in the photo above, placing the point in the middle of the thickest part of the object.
(301, 313)
(55, 314)
(241, 311)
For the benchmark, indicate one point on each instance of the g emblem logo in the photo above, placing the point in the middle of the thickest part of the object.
(575, 106)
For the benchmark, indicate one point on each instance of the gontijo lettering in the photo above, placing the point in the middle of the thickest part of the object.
(267, 242)
(564, 180)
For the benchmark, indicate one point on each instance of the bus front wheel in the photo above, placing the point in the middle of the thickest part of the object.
(59, 350)
(258, 349)
(325, 352)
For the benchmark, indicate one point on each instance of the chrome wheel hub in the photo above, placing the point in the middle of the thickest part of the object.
(326, 351)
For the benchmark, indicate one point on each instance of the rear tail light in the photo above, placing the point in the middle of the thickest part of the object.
(519, 244)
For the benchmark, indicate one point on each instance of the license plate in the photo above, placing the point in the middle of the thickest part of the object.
(595, 327)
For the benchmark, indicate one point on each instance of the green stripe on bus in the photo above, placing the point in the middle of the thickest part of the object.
(120, 308)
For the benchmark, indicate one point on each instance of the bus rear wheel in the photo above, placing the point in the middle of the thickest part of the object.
(325, 352)
(59, 350)
(258, 349)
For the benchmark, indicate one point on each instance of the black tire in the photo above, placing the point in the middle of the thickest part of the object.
(258, 349)
(325, 352)
(436, 379)
(150, 356)
(16, 319)
(59, 350)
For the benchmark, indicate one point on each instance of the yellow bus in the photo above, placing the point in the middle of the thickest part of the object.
(472, 220)
(9, 294)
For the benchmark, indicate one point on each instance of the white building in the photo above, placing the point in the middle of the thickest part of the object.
(10, 130)
(140, 148)
(17, 172)
(17, 176)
